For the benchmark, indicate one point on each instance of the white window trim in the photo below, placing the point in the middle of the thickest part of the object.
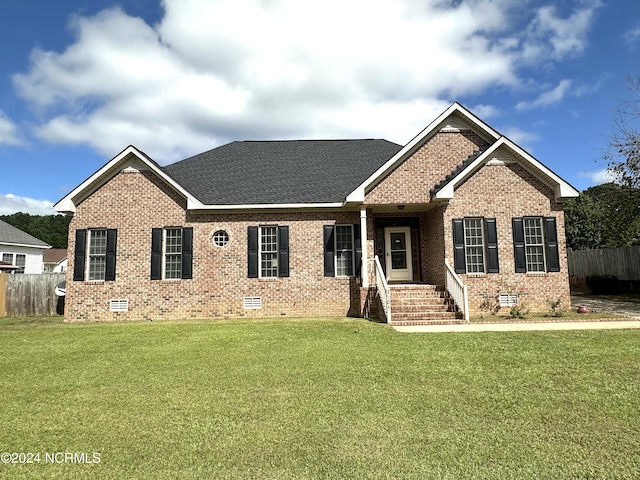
(87, 272)
(484, 245)
(335, 250)
(164, 253)
(260, 227)
(543, 244)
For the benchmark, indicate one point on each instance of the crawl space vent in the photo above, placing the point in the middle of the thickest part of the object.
(121, 305)
(252, 303)
(508, 299)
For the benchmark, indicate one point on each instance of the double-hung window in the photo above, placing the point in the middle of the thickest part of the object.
(342, 250)
(95, 255)
(97, 263)
(268, 251)
(475, 245)
(172, 253)
(535, 244)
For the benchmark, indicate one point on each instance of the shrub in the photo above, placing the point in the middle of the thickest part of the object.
(556, 307)
(521, 310)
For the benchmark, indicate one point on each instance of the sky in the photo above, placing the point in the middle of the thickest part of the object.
(80, 80)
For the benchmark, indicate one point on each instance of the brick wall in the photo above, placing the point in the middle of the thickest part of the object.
(504, 192)
(136, 202)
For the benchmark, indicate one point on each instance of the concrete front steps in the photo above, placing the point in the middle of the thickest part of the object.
(423, 305)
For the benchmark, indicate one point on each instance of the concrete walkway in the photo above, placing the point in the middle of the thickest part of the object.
(512, 327)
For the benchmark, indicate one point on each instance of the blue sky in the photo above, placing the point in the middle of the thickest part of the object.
(82, 79)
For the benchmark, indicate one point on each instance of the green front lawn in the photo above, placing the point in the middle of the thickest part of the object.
(328, 398)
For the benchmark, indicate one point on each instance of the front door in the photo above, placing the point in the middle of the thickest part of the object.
(398, 257)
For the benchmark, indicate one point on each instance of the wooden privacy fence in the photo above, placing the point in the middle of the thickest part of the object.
(29, 295)
(623, 263)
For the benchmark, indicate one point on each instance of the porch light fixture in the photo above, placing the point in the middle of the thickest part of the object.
(400, 207)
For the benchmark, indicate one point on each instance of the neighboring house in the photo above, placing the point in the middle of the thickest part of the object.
(19, 251)
(293, 228)
(55, 260)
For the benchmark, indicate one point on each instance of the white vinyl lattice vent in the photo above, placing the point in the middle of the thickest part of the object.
(508, 299)
(252, 303)
(121, 305)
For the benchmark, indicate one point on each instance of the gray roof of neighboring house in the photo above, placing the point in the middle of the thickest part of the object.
(13, 235)
(281, 172)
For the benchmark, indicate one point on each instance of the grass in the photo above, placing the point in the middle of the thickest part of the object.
(322, 398)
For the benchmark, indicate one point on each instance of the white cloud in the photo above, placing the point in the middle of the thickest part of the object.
(547, 98)
(10, 204)
(557, 94)
(598, 176)
(555, 37)
(9, 133)
(211, 72)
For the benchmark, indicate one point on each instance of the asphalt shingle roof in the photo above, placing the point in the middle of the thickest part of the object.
(281, 172)
(13, 235)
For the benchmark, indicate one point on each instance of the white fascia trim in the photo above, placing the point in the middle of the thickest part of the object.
(562, 189)
(193, 204)
(26, 245)
(110, 169)
(359, 193)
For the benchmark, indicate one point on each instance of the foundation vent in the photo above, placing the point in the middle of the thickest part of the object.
(252, 303)
(508, 299)
(120, 305)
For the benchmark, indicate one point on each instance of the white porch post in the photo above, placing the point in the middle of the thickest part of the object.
(364, 269)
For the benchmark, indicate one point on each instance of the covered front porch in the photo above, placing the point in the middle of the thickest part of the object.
(406, 274)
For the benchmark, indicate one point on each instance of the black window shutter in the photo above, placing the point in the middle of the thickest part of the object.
(79, 255)
(357, 246)
(551, 240)
(156, 254)
(329, 251)
(252, 252)
(519, 254)
(187, 253)
(493, 265)
(459, 262)
(283, 251)
(110, 267)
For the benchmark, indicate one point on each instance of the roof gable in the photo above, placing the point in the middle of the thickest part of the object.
(454, 118)
(10, 235)
(504, 150)
(129, 159)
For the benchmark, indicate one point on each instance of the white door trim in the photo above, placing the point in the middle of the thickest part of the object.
(398, 274)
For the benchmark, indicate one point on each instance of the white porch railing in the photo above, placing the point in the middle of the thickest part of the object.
(383, 288)
(457, 290)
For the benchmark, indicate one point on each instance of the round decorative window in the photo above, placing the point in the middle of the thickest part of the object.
(220, 238)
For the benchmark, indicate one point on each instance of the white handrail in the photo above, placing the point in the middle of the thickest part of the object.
(383, 289)
(457, 290)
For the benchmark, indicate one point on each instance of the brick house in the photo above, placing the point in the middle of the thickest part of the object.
(459, 220)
